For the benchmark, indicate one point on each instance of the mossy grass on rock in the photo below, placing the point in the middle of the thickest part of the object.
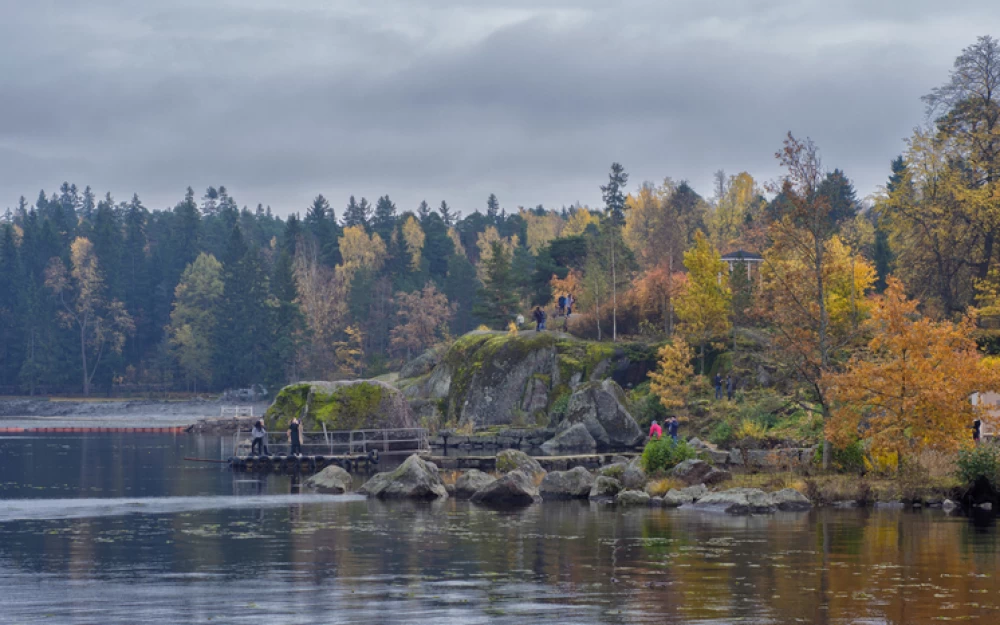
(513, 460)
(414, 479)
(605, 488)
(341, 405)
(495, 378)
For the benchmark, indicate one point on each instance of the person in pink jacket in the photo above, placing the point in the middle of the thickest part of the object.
(655, 430)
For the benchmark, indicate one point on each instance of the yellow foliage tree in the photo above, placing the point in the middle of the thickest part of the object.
(541, 228)
(703, 307)
(726, 222)
(578, 222)
(485, 241)
(909, 390)
(653, 231)
(413, 237)
(359, 251)
(671, 381)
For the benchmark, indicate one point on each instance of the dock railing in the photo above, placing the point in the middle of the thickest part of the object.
(393, 441)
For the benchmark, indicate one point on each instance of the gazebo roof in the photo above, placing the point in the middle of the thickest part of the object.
(742, 255)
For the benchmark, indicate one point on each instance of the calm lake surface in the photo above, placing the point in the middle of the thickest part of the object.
(119, 529)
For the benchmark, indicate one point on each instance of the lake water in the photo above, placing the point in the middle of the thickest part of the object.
(120, 529)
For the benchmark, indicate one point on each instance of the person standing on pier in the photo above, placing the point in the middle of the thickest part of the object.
(259, 436)
(295, 437)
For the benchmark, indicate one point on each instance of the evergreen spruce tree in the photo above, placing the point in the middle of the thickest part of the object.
(496, 302)
(492, 208)
(461, 287)
(384, 221)
(446, 214)
(357, 214)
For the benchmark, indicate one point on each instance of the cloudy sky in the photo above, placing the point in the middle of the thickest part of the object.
(279, 100)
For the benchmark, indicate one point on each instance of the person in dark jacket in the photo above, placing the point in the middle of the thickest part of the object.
(672, 426)
(258, 437)
(539, 316)
(718, 386)
(295, 437)
(730, 386)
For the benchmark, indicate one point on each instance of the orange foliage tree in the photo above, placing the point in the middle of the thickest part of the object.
(654, 294)
(909, 390)
(423, 320)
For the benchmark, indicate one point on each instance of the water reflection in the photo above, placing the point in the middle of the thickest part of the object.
(265, 552)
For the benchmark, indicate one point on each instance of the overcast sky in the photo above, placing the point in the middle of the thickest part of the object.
(279, 100)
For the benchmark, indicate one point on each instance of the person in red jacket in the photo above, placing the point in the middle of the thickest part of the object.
(655, 430)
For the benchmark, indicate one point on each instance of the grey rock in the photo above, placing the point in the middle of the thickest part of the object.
(736, 457)
(614, 470)
(696, 443)
(573, 484)
(576, 438)
(536, 397)
(889, 505)
(693, 471)
(513, 489)
(790, 500)
(421, 365)
(678, 497)
(718, 457)
(656, 502)
(605, 488)
(948, 505)
(470, 482)
(414, 479)
(736, 501)
(846, 503)
(512, 460)
(601, 406)
(632, 498)
(634, 478)
(332, 479)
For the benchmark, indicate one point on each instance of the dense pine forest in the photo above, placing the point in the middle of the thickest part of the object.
(101, 296)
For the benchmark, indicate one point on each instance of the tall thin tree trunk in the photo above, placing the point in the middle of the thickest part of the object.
(597, 311)
(83, 359)
(670, 293)
(614, 291)
(823, 348)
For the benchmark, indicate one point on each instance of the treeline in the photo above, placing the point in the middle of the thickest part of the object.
(97, 294)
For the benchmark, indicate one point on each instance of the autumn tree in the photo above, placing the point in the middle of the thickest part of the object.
(909, 389)
(422, 320)
(413, 238)
(322, 297)
(103, 324)
(578, 222)
(655, 294)
(671, 381)
(194, 318)
(703, 307)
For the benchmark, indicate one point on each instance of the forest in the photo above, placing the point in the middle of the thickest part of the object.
(109, 297)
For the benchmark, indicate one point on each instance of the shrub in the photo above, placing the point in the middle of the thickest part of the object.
(750, 429)
(721, 434)
(980, 461)
(663, 453)
(559, 407)
(850, 458)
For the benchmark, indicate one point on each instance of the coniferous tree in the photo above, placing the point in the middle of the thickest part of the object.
(492, 208)
(384, 221)
(446, 214)
(496, 301)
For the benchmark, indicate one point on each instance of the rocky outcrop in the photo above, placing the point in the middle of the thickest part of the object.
(678, 497)
(514, 489)
(574, 439)
(605, 488)
(601, 407)
(514, 460)
(633, 477)
(472, 481)
(632, 498)
(332, 480)
(790, 500)
(752, 501)
(342, 405)
(414, 479)
(573, 484)
(422, 364)
(699, 472)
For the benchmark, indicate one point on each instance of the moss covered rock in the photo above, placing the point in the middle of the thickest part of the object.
(342, 405)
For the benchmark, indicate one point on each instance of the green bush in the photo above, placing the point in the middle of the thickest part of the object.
(663, 453)
(980, 461)
(850, 458)
(559, 407)
(721, 434)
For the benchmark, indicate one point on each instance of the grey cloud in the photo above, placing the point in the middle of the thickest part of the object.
(452, 99)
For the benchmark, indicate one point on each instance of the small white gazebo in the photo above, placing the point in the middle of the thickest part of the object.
(742, 256)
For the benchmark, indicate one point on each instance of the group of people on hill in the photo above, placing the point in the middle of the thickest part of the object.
(656, 430)
(565, 303)
(258, 438)
(727, 386)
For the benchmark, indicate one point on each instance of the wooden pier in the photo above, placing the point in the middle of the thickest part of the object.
(359, 463)
(93, 430)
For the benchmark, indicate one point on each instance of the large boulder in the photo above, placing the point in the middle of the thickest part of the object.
(737, 501)
(517, 488)
(678, 497)
(633, 477)
(341, 405)
(332, 479)
(632, 498)
(573, 484)
(422, 364)
(698, 472)
(513, 460)
(472, 481)
(575, 439)
(414, 479)
(605, 488)
(791, 500)
(601, 407)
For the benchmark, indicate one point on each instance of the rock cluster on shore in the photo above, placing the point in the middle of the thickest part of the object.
(523, 481)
